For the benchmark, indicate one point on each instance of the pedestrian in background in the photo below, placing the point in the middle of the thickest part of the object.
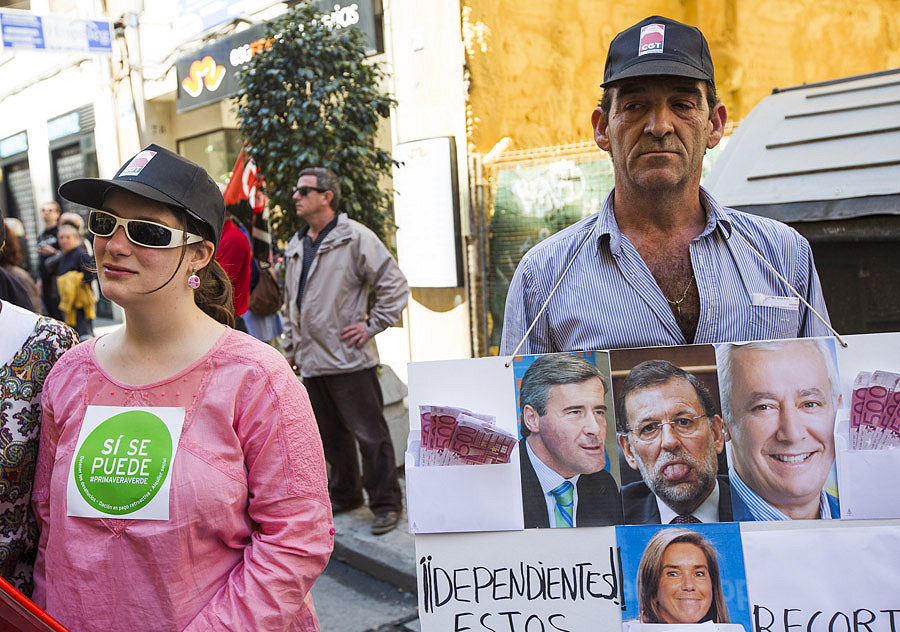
(70, 218)
(247, 528)
(331, 264)
(74, 273)
(263, 317)
(48, 247)
(16, 228)
(11, 262)
(233, 254)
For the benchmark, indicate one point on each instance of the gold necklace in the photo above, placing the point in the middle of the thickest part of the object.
(677, 304)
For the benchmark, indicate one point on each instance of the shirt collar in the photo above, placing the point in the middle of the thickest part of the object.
(759, 509)
(547, 477)
(716, 215)
(708, 511)
(303, 231)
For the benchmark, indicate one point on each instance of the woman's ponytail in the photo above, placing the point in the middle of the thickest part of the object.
(214, 296)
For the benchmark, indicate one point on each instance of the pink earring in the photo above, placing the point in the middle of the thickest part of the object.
(193, 280)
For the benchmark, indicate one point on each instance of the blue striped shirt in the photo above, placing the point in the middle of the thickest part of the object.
(758, 509)
(610, 300)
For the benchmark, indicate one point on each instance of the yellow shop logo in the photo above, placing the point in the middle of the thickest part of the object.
(205, 71)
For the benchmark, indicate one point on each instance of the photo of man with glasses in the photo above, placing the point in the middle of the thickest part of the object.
(670, 432)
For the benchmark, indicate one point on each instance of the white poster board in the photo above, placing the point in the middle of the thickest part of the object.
(838, 578)
(426, 204)
(463, 498)
(539, 579)
(492, 574)
(866, 478)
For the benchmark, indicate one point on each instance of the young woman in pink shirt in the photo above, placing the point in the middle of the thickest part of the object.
(180, 482)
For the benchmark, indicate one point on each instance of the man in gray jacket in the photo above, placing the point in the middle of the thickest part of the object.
(331, 264)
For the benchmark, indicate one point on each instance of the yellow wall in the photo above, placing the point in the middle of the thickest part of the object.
(536, 66)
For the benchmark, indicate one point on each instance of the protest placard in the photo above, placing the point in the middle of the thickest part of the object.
(485, 497)
(683, 574)
(552, 580)
(841, 579)
(806, 436)
(864, 475)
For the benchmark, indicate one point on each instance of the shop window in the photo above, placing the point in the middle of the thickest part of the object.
(216, 151)
(16, 179)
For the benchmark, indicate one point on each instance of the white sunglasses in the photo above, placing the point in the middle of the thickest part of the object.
(140, 231)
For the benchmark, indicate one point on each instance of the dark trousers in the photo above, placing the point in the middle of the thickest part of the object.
(50, 296)
(84, 327)
(349, 409)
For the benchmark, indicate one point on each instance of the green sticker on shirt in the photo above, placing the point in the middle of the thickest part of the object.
(121, 464)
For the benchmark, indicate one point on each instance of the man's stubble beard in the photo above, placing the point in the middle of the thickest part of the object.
(683, 498)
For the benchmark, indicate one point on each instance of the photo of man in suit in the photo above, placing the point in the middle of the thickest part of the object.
(562, 452)
(780, 399)
(670, 432)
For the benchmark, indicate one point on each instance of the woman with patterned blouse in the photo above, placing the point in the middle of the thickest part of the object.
(29, 347)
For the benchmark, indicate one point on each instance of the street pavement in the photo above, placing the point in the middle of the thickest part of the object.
(348, 600)
(390, 557)
(387, 596)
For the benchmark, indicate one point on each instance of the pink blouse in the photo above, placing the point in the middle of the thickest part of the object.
(249, 526)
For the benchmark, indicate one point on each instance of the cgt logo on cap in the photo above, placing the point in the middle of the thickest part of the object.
(652, 38)
(138, 163)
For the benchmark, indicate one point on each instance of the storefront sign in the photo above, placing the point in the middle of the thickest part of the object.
(197, 16)
(360, 14)
(64, 125)
(55, 33)
(209, 74)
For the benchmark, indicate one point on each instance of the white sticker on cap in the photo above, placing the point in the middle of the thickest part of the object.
(652, 37)
(138, 163)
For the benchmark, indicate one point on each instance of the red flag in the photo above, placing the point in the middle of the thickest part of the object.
(245, 184)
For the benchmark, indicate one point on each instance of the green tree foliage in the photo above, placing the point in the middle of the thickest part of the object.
(313, 100)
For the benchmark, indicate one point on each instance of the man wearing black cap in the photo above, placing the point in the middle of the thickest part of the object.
(662, 263)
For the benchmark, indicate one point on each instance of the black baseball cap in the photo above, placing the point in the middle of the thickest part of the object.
(658, 46)
(158, 174)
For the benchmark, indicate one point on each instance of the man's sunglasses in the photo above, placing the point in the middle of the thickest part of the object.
(304, 190)
(140, 231)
